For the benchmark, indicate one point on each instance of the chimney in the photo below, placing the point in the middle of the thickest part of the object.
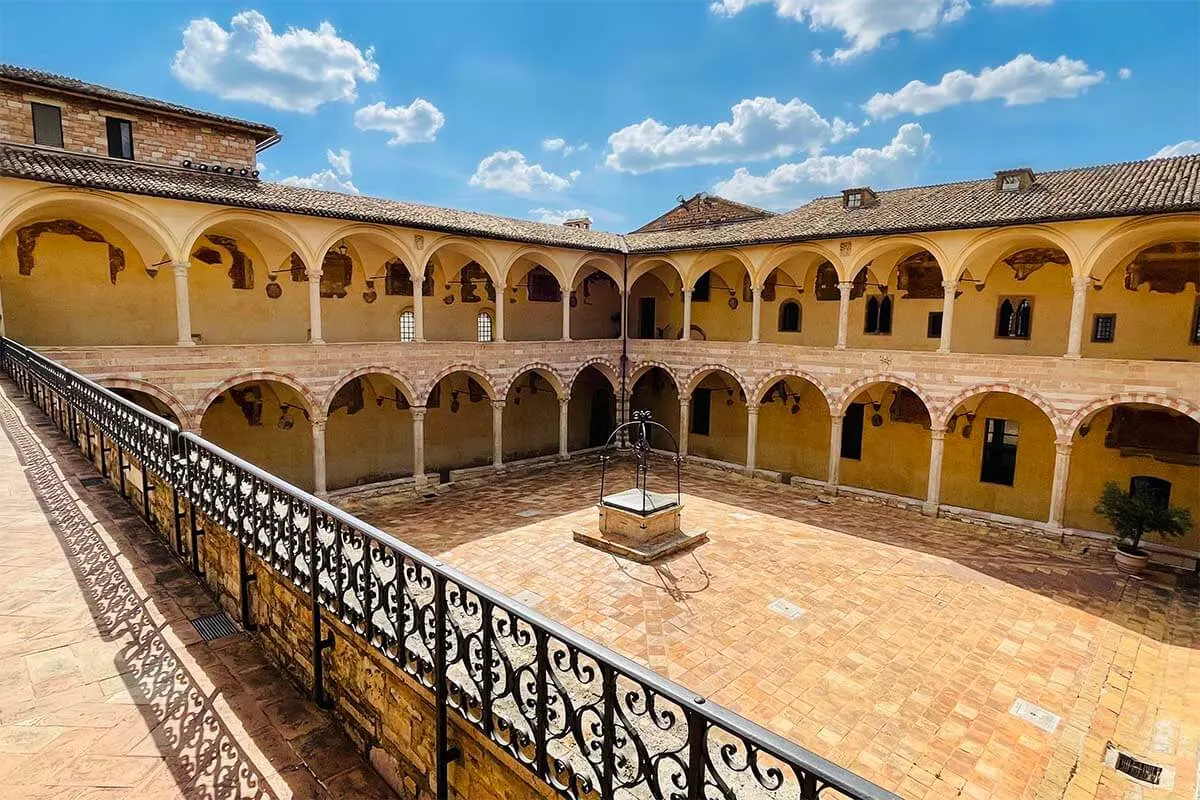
(579, 222)
(1014, 180)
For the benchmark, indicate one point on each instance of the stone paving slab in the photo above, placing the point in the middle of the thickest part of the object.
(905, 643)
(106, 689)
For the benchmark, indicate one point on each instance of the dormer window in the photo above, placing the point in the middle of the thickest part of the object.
(858, 198)
(1014, 180)
(854, 200)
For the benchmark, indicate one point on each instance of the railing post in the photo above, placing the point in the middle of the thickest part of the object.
(146, 490)
(245, 578)
(441, 690)
(121, 467)
(319, 643)
(197, 532)
(608, 757)
(697, 735)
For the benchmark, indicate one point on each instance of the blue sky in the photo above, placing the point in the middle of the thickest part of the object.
(452, 103)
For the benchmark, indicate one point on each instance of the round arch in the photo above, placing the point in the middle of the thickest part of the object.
(1134, 235)
(644, 367)
(540, 257)
(1001, 242)
(715, 258)
(942, 417)
(852, 391)
(648, 264)
(310, 399)
(783, 253)
(764, 385)
(164, 396)
(602, 366)
(1072, 425)
(600, 263)
(478, 253)
(479, 374)
(887, 244)
(552, 376)
(386, 238)
(700, 373)
(400, 379)
(271, 224)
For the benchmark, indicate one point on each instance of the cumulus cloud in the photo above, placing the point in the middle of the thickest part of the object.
(760, 128)
(1022, 81)
(1185, 148)
(336, 178)
(1124, 73)
(1022, 2)
(508, 171)
(419, 121)
(556, 217)
(788, 183)
(559, 145)
(297, 70)
(864, 24)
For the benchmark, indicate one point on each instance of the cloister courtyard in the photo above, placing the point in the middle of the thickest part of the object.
(906, 643)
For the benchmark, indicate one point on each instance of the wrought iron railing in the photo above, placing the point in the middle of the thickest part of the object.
(587, 721)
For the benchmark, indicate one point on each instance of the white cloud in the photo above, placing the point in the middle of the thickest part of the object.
(760, 128)
(559, 145)
(1124, 73)
(1022, 2)
(1022, 81)
(297, 70)
(1185, 148)
(508, 171)
(865, 24)
(419, 121)
(336, 178)
(555, 217)
(787, 183)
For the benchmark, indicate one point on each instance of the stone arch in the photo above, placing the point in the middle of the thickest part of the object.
(700, 373)
(852, 391)
(387, 239)
(761, 388)
(561, 388)
(478, 373)
(540, 257)
(1072, 425)
(307, 395)
(1008, 240)
(473, 248)
(715, 258)
(401, 380)
(942, 417)
(647, 265)
(604, 367)
(886, 244)
(645, 366)
(783, 253)
(271, 223)
(167, 398)
(600, 263)
(1132, 236)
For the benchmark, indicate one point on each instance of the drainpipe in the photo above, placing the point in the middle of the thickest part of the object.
(624, 403)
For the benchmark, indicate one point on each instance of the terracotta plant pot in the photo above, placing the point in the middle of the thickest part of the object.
(1131, 563)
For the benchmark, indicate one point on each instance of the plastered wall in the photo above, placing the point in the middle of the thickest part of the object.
(895, 456)
(286, 453)
(795, 443)
(373, 444)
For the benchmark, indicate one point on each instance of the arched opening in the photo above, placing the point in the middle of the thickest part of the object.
(896, 302)
(656, 304)
(458, 423)
(368, 432)
(534, 303)
(655, 391)
(365, 286)
(460, 289)
(595, 306)
(531, 416)
(1129, 441)
(247, 285)
(148, 402)
(722, 303)
(1014, 297)
(998, 457)
(885, 441)
(266, 422)
(793, 429)
(592, 410)
(791, 318)
(717, 419)
(1148, 306)
(78, 276)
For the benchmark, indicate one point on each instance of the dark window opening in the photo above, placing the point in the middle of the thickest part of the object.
(933, 328)
(999, 452)
(120, 137)
(645, 318)
(703, 288)
(543, 286)
(1196, 324)
(701, 412)
(1155, 490)
(789, 317)
(826, 285)
(852, 431)
(1014, 318)
(879, 315)
(47, 125)
(1104, 327)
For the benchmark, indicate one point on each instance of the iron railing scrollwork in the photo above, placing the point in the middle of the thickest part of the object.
(587, 721)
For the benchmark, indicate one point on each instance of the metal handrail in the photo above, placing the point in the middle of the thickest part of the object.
(585, 719)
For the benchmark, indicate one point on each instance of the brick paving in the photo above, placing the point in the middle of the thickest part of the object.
(106, 690)
(916, 636)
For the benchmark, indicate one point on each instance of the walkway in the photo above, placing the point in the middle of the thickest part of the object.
(106, 689)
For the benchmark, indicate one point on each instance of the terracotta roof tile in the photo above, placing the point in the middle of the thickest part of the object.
(701, 210)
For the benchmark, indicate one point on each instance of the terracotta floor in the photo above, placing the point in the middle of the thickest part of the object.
(916, 638)
(106, 690)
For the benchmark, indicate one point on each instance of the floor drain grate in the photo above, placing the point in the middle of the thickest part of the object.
(1143, 772)
(214, 626)
(92, 481)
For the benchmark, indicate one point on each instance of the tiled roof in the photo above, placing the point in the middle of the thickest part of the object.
(65, 84)
(1138, 187)
(703, 209)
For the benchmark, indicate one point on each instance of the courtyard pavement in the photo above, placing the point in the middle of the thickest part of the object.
(106, 689)
(909, 642)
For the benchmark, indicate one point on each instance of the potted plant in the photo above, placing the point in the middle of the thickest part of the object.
(1132, 516)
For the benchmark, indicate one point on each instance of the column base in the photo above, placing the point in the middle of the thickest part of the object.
(930, 509)
(188, 343)
(316, 341)
(1072, 355)
(944, 350)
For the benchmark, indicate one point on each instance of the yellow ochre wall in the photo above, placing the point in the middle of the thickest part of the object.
(592, 318)
(531, 427)
(374, 444)
(353, 319)
(662, 405)
(910, 320)
(461, 439)
(962, 459)
(668, 308)
(579, 410)
(1149, 324)
(726, 440)
(795, 443)
(287, 454)
(895, 456)
(715, 318)
(975, 312)
(224, 315)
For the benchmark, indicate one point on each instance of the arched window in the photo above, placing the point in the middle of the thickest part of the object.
(789, 317)
(879, 315)
(885, 315)
(483, 326)
(871, 325)
(1022, 318)
(408, 325)
(1014, 318)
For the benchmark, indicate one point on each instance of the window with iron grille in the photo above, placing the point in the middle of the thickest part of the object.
(1104, 327)
(543, 286)
(408, 325)
(120, 137)
(999, 452)
(47, 125)
(483, 326)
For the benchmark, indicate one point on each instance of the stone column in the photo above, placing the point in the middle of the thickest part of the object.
(498, 434)
(2, 333)
(418, 420)
(314, 307)
(844, 288)
(686, 333)
(1079, 287)
(835, 453)
(624, 314)
(949, 292)
(684, 422)
(498, 328)
(418, 314)
(756, 321)
(318, 434)
(933, 489)
(751, 438)
(563, 409)
(183, 304)
(1058, 490)
(566, 314)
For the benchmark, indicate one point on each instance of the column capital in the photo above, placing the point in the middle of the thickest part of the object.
(1063, 446)
(564, 399)
(949, 286)
(318, 424)
(845, 285)
(752, 409)
(181, 266)
(498, 404)
(756, 291)
(314, 275)
(937, 433)
(418, 412)
(685, 401)
(1081, 282)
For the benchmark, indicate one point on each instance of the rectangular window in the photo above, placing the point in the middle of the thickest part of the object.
(483, 326)
(1196, 324)
(854, 200)
(933, 328)
(701, 412)
(120, 137)
(646, 329)
(703, 289)
(408, 325)
(852, 432)
(999, 452)
(47, 125)
(1104, 327)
